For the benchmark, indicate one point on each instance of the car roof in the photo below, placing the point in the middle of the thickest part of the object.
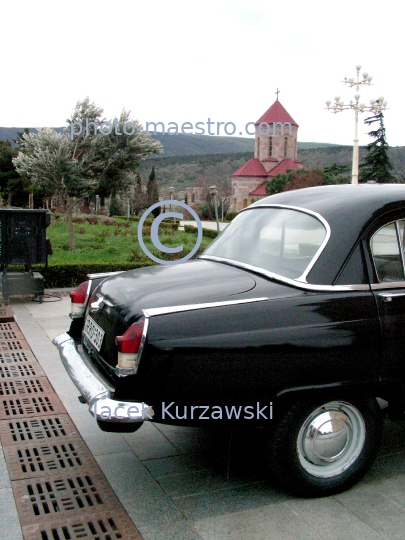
(349, 209)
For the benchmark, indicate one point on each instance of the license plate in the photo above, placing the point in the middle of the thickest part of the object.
(94, 333)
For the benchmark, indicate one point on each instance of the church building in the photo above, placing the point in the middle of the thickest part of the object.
(275, 153)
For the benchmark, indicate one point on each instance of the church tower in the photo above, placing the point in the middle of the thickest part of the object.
(276, 136)
(275, 152)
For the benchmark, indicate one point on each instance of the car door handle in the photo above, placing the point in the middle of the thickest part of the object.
(387, 297)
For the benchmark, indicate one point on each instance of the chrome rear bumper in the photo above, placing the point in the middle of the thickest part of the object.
(98, 397)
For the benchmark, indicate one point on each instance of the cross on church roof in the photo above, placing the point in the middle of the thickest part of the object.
(277, 92)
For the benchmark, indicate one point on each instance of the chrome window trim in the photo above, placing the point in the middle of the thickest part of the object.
(304, 276)
(387, 285)
(152, 312)
(294, 283)
(104, 274)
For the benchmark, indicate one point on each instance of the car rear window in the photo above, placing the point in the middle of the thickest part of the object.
(280, 240)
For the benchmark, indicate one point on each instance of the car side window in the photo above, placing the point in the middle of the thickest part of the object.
(387, 248)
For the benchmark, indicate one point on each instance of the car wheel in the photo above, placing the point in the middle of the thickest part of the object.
(321, 448)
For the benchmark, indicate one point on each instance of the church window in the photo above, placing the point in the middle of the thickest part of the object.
(270, 146)
(258, 148)
(285, 146)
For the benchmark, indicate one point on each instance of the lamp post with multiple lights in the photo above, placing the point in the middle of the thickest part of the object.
(376, 105)
(214, 192)
(223, 200)
(171, 191)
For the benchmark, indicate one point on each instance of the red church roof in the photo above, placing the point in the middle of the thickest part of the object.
(276, 113)
(252, 168)
(261, 191)
(282, 167)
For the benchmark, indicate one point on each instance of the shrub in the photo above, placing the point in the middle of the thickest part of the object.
(230, 216)
(70, 275)
(116, 208)
(209, 233)
(92, 220)
(108, 222)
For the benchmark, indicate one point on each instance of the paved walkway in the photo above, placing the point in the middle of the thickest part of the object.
(177, 483)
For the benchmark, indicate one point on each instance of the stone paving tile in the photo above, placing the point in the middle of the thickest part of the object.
(200, 482)
(275, 522)
(182, 464)
(375, 505)
(142, 497)
(172, 531)
(331, 520)
(4, 478)
(220, 502)
(386, 467)
(149, 442)
(186, 439)
(9, 523)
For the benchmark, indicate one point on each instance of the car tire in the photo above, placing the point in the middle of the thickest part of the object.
(323, 447)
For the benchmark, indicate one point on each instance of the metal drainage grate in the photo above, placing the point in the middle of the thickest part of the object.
(29, 461)
(20, 370)
(13, 345)
(62, 495)
(10, 330)
(115, 526)
(30, 406)
(37, 429)
(17, 357)
(6, 313)
(60, 491)
(20, 387)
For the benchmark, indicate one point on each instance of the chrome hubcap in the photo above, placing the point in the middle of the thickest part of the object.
(331, 439)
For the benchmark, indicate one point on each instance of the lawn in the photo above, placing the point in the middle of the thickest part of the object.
(112, 243)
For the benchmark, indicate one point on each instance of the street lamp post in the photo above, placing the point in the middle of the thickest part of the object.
(376, 105)
(214, 191)
(171, 191)
(223, 199)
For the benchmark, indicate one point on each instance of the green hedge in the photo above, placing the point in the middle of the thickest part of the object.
(230, 215)
(70, 275)
(167, 223)
(209, 233)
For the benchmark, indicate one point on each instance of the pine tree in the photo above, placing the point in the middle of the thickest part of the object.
(139, 196)
(376, 165)
(153, 192)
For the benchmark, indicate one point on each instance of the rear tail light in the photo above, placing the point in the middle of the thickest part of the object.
(78, 299)
(129, 348)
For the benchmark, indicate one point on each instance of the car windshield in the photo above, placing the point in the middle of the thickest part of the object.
(280, 240)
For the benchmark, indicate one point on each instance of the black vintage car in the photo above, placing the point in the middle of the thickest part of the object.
(293, 319)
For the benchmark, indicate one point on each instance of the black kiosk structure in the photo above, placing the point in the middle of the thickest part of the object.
(23, 242)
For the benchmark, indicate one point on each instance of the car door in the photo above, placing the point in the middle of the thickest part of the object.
(387, 250)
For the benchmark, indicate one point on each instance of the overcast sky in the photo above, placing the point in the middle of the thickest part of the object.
(188, 61)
